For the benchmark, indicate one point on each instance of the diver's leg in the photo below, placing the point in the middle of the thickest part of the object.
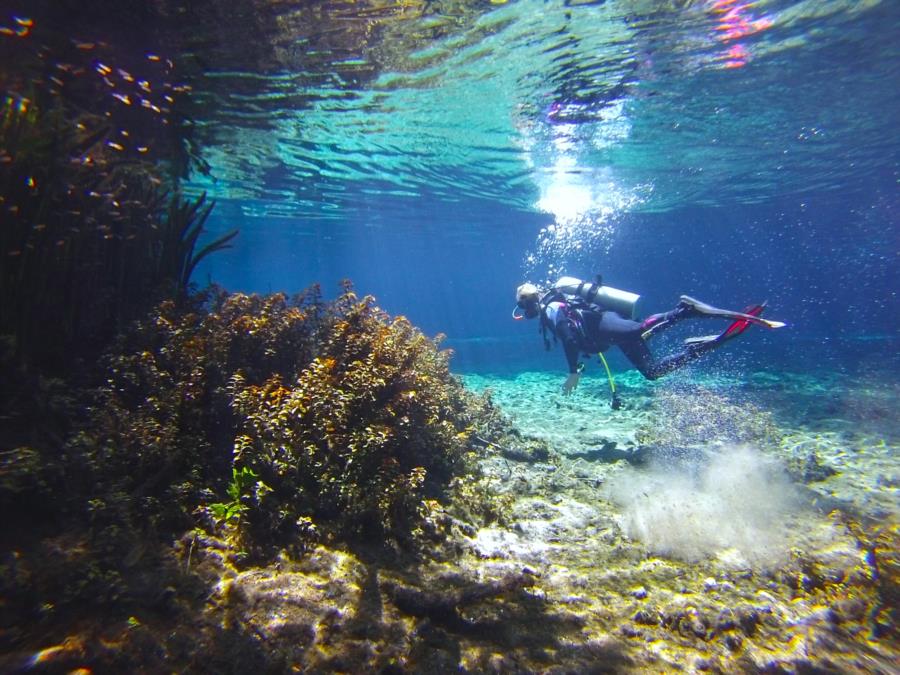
(612, 329)
(628, 336)
(635, 348)
(657, 323)
(694, 348)
(638, 353)
(666, 365)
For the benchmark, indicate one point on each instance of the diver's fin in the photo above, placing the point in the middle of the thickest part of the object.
(708, 310)
(736, 328)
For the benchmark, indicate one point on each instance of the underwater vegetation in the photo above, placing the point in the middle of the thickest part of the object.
(362, 440)
(200, 511)
(272, 424)
(144, 424)
(246, 482)
(93, 228)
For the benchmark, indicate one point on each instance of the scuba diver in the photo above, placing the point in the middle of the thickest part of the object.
(588, 318)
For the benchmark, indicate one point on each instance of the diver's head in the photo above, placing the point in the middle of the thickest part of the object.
(528, 299)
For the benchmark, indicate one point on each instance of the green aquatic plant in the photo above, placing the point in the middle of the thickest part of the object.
(183, 226)
(230, 512)
(237, 490)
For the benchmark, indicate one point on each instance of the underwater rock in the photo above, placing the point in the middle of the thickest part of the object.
(529, 450)
(810, 469)
(303, 611)
(640, 592)
(733, 642)
(689, 622)
(631, 631)
(727, 620)
(646, 618)
(444, 607)
(748, 619)
(538, 525)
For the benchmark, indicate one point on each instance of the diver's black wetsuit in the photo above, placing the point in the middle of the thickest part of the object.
(585, 330)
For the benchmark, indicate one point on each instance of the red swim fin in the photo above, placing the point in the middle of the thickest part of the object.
(737, 327)
(741, 325)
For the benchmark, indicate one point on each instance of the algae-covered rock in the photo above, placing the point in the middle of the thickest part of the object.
(809, 467)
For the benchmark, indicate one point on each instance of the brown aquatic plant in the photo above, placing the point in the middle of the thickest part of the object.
(363, 439)
(275, 422)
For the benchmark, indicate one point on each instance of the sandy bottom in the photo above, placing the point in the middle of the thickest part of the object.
(698, 502)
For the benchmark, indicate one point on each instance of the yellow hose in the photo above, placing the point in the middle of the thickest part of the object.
(612, 382)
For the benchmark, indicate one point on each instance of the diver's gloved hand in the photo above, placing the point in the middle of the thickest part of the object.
(571, 383)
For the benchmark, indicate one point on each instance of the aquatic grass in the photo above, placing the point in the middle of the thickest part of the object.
(86, 249)
(183, 226)
(93, 227)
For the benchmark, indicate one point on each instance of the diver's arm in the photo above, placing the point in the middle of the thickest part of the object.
(562, 329)
(572, 352)
(571, 348)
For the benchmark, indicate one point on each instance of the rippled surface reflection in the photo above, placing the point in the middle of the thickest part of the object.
(571, 107)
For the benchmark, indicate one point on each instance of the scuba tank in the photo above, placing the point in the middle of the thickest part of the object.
(605, 297)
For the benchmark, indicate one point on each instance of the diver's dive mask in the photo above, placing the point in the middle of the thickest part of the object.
(528, 301)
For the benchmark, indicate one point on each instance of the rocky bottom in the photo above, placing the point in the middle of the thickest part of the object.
(703, 527)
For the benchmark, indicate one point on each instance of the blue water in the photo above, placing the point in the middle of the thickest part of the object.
(438, 154)
(729, 151)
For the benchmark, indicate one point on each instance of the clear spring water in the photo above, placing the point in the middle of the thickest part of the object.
(441, 154)
(438, 154)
